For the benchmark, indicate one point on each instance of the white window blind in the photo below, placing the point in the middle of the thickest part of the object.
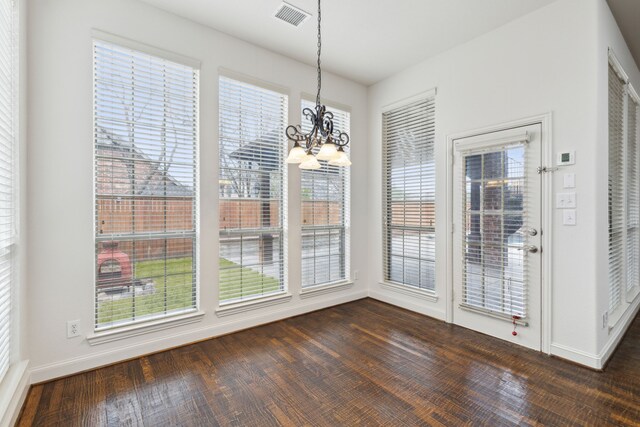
(146, 139)
(409, 194)
(633, 195)
(616, 189)
(325, 215)
(494, 201)
(252, 198)
(8, 138)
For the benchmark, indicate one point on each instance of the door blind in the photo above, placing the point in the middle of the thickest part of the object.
(325, 215)
(8, 133)
(252, 195)
(616, 189)
(494, 219)
(633, 205)
(146, 138)
(409, 180)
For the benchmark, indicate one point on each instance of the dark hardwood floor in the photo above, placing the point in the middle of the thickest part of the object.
(362, 363)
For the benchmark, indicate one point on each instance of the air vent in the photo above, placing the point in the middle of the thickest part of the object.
(291, 14)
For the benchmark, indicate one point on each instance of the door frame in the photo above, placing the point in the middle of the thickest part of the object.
(546, 215)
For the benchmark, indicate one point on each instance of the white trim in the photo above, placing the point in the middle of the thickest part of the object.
(577, 356)
(617, 333)
(431, 93)
(253, 304)
(145, 48)
(313, 291)
(13, 393)
(617, 66)
(408, 290)
(141, 346)
(633, 94)
(251, 80)
(396, 299)
(134, 330)
(545, 122)
(484, 144)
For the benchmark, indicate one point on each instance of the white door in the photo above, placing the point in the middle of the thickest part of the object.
(496, 234)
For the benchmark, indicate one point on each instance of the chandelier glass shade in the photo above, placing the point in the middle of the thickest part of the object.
(322, 142)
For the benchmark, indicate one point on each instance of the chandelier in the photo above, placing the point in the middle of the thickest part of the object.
(330, 141)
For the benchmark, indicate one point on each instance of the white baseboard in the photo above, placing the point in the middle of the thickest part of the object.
(13, 392)
(577, 356)
(617, 333)
(400, 300)
(79, 364)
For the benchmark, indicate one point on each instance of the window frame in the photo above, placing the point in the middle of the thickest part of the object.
(124, 329)
(627, 293)
(428, 97)
(345, 226)
(238, 305)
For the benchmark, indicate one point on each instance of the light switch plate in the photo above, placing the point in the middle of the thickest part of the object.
(569, 217)
(569, 180)
(566, 201)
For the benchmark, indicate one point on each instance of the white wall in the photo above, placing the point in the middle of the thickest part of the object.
(61, 214)
(543, 62)
(609, 36)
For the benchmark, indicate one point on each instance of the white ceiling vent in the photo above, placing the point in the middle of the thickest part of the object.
(291, 14)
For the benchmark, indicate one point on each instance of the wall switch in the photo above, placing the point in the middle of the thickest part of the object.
(569, 217)
(566, 201)
(73, 328)
(569, 180)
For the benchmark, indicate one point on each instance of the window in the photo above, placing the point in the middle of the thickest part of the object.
(325, 215)
(624, 203)
(8, 188)
(146, 140)
(409, 194)
(252, 199)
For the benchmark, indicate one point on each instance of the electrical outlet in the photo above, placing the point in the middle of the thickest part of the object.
(73, 328)
(605, 319)
(355, 275)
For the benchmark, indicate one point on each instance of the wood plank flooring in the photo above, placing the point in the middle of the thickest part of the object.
(362, 363)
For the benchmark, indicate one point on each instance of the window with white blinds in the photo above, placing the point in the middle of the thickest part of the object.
(633, 196)
(8, 142)
(624, 187)
(409, 180)
(146, 141)
(616, 188)
(252, 195)
(325, 198)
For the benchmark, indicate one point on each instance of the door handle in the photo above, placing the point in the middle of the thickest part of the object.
(529, 231)
(529, 248)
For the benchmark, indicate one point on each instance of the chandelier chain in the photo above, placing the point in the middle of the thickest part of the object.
(319, 51)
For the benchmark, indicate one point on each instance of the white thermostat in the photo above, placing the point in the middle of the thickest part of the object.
(566, 158)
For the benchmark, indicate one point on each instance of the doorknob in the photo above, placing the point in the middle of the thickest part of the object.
(530, 231)
(529, 248)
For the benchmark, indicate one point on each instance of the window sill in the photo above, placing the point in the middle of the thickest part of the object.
(125, 332)
(313, 291)
(633, 294)
(407, 290)
(254, 304)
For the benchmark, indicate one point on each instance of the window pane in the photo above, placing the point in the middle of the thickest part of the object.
(325, 213)
(251, 191)
(409, 194)
(145, 182)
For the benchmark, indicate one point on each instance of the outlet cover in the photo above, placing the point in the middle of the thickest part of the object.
(73, 328)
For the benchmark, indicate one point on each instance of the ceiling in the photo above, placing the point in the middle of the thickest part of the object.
(627, 14)
(363, 40)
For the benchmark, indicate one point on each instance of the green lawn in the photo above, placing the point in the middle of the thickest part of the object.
(176, 292)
